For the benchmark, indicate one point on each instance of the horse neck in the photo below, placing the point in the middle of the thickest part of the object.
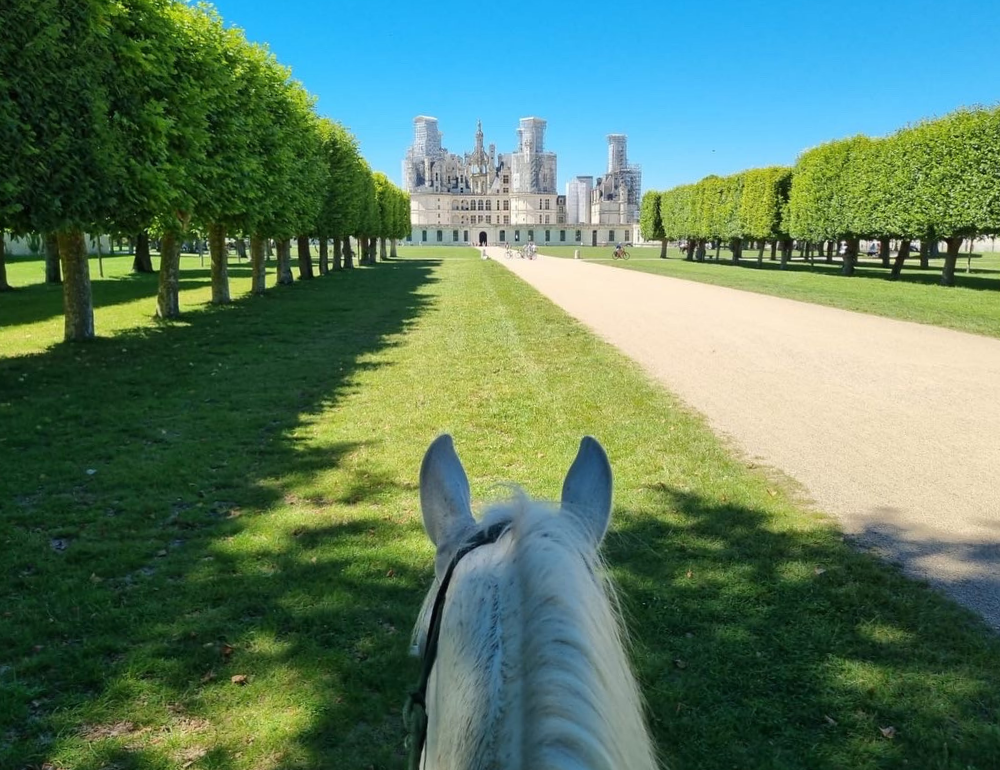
(531, 673)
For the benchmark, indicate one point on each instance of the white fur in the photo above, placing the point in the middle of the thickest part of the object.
(531, 672)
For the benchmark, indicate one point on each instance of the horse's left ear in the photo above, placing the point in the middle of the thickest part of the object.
(445, 498)
(586, 492)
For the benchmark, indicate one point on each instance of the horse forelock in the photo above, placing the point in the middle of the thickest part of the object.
(532, 670)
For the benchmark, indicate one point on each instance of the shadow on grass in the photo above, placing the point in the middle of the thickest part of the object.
(129, 465)
(763, 648)
(983, 279)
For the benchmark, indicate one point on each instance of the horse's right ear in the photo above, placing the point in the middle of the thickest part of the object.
(586, 492)
(445, 498)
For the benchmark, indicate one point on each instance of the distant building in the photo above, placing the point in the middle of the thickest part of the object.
(484, 197)
(578, 199)
(617, 197)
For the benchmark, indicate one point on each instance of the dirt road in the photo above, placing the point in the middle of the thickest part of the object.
(891, 427)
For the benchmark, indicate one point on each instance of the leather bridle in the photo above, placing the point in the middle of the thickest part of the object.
(415, 710)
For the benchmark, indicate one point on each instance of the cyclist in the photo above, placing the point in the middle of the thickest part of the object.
(619, 250)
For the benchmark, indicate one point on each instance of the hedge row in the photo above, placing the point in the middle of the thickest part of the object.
(935, 181)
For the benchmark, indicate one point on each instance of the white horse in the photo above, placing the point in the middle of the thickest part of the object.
(524, 664)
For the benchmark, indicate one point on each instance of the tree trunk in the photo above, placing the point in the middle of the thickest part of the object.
(950, 259)
(168, 295)
(718, 249)
(883, 251)
(52, 272)
(850, 257)
(142, 262)
(897, 265)
(690, 249)
(4, 286)
(324, 256)
(284, 249)
(78, 301)
(258, 270)
(760, 253)
(925, 253)
(786, 252)
(774, 250)
(736, 248)
(305, 258)
(392, 248)
(831, 247)
(338, 255)
(372, 250)
(383, 254)
(348, 254)
(220, 264)
(663, 249)
(100, 258)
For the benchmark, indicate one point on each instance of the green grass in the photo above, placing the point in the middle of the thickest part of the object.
(235, 494)
(971, 306)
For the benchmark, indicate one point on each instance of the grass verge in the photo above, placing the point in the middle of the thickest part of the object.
(234, 495)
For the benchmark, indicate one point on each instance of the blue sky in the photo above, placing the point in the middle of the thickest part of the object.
(699, 87)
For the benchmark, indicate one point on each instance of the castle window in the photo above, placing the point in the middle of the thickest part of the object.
(548, 236)
(489, 205)
(579, 236)
(454, 235)
(562, 236)
(531, 235)
(611, 235)
(546, 222)
(503, 236)
(440, 236)
(423, 236)
(506, 205)
(506, 219)
(479, 205)
(488, 218)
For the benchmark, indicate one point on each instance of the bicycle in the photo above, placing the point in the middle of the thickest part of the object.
(620, 254)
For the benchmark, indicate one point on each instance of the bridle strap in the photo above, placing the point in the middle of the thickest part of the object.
(415, 710)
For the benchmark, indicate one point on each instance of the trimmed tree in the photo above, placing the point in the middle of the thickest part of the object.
(651, 222)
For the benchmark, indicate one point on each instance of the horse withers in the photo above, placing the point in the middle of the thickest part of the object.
(524, 666)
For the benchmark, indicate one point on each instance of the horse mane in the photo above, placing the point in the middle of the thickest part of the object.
(569, 699)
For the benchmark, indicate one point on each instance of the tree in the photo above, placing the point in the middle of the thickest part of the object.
(762, 205)
(368, 221)
(59, 127)
(346, 187)
(824, 196)
(651, 222)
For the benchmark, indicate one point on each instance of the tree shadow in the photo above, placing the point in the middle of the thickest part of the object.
(764, 646)
(214, 407)
(982, 279)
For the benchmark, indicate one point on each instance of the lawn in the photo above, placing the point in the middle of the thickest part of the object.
(971, 306)
(234, 496)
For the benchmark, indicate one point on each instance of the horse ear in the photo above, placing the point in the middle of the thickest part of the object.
(445, 498)
(586, 492)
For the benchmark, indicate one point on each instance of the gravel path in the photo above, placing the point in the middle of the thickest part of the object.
(891, 427)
